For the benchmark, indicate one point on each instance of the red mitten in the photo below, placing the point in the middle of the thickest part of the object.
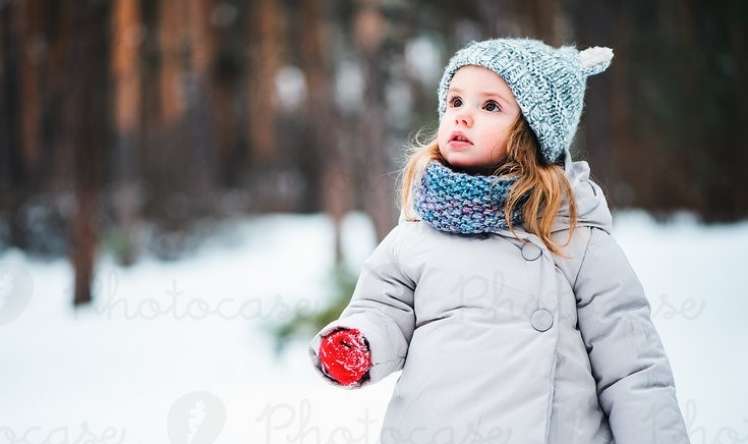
(345, 356)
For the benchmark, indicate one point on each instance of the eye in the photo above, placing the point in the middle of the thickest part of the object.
(453, 99)
(494, 104)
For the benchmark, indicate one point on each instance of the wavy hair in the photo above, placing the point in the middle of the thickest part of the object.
(544, 186)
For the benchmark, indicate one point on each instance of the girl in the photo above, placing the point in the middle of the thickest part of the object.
(501, 293)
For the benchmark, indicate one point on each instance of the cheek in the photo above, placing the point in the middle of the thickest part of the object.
(442, 133)
(442, 136)
(496, 136)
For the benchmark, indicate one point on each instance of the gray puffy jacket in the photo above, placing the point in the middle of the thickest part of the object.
(499, 342)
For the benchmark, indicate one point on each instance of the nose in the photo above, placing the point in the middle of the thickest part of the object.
(464, 117)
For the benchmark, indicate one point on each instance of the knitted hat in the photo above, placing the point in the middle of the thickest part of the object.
(548, 83)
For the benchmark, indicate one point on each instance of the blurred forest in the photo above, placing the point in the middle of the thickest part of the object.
(136, 125)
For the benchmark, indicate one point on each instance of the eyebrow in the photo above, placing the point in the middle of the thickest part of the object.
(484, 94)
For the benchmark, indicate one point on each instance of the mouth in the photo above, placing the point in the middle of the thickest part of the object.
(458, 139)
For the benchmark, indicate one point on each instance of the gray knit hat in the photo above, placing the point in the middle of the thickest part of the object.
(548, 83)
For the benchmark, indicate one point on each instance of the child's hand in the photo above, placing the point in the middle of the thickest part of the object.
(345, 356)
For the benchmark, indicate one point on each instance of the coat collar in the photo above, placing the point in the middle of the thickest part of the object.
(592, 206)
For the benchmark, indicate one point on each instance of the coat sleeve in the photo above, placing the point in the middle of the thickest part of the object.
(381, 307)
(635, 384)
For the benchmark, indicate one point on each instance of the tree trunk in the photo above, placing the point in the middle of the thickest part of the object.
(322, 120)
(263, 25)
(369, 34)
(127, 34)
(86, 122)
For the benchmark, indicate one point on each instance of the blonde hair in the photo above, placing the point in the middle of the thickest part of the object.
(545, 185)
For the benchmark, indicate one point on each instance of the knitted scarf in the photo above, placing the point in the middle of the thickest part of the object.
(464, 203)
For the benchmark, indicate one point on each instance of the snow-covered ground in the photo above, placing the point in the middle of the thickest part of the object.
(174, 352)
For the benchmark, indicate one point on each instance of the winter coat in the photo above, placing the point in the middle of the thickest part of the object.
(498, 342)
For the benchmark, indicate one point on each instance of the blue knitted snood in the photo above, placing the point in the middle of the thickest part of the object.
(464, 203)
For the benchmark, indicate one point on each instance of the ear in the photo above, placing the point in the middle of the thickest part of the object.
(595, 60)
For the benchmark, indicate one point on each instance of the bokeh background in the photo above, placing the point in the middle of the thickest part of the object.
(188, 189)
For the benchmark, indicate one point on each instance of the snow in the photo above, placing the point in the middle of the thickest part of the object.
(349, 86)
(175, 352)
(423, 59)
(291, 87)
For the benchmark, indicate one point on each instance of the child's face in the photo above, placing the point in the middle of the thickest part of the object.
(482, 107)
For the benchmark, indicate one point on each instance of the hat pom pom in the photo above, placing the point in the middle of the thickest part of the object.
(595, 60)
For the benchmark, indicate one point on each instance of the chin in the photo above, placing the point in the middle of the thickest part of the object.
(458, 159)
(464, 167)
(468, 167)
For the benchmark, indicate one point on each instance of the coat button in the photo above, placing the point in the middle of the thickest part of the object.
(530, 251)
(541, 319)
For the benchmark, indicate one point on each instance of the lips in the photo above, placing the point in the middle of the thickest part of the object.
(459, 138)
